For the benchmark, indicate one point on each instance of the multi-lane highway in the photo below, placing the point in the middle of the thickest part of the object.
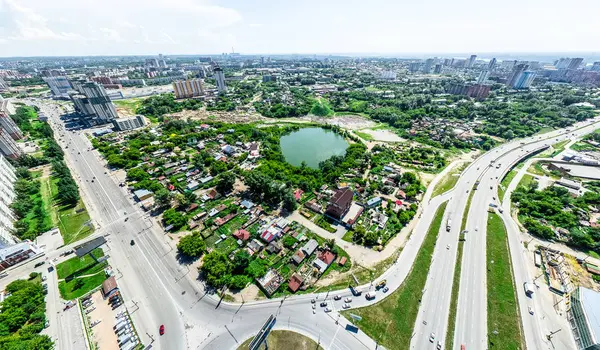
(161, 291)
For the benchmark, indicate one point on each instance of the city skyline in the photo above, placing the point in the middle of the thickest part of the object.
(66, 27)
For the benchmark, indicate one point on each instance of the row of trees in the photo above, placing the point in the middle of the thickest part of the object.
(68, 192)
(28, 207)
(159, 105)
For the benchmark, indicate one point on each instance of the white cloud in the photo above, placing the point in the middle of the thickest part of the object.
(255, 25)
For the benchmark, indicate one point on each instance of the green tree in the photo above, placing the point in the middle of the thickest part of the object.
(289, 201)
(216, 269)
(239, 281)
(192, 246)
(241, 260)
(256, 269)
(226, 182)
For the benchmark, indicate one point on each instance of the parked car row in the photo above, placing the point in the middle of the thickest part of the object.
(126, 336)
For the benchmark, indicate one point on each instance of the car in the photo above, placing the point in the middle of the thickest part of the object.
(312, 301)
(337, 297)
(385, 289)
(161, 329)
(467, 191)
(314, 306)
(530, 310)
(439, 345)
(132, 242)
(345, 306)
(47, 324)
(314, 311)
(348, 300)
(491, 187)
(44, 278)
(327, 309)
(431, 337)
(323, 304)
(448, 246)
(476, 228)
(39, 264)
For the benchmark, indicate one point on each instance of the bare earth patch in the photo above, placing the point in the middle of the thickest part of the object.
(383, 135)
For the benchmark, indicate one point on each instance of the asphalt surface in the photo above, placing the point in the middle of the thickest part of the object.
(158, 290)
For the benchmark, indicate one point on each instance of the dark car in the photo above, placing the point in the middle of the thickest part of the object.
(132, 242)
(39, 264)
(161, 330)
(323, 304)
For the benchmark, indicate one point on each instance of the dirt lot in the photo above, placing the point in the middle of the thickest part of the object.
(383, 135)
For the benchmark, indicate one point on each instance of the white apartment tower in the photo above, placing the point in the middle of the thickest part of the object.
(188, 88)
(7, 195)
(220, 78)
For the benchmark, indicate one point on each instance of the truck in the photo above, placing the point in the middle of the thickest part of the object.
(528, 287)
(370, 295)
(381, 284)
(448, 224)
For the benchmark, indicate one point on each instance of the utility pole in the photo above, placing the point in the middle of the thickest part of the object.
(549, 336)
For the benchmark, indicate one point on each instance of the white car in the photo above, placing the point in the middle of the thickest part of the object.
(530, 310)
(348, 300)
(448, 246)
(345, 306)
(327, 309)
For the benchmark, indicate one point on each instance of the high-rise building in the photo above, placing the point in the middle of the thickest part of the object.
(428, 65)
(388, 75)
(414, 67)
(6, 121)
(438, 69)
(130, 123)
(3, 85)
(152, 62)
(59, 85)
(220, 78)
(188, 88)
(575, 63)
(583, 314)
(471, 61)
(483, 76)
(477, 91)
(525, 80)
(8, 146)
(7, 196)
(92, 102)
(595, 67)
(515, 74)
(492, 64)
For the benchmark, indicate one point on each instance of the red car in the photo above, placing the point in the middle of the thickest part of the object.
(161, 330)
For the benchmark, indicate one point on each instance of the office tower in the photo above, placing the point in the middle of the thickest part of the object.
(151, 62)
(130, 123)
(8, 146)
(92, 102)
(388, 75)
(525, 80)
(161, 61)
(575, 63)
(220, 78)
(492, 64)
(595, 67)
(7, 196)
(428, 65)
(447, 62)
(483, 76)
(471, 61)
(59, 86)
(438, 69)
(414, 67)
(3, 85)
(515, 74)
(188, 88)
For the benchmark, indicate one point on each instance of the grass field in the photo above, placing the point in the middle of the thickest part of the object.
(505, 182)
(504, 331)
(391, 321)
(70, 220)
(283, 340)
(559, 147)
(69, 272)
(71, 290)
(449, 181)
(129, 105)
(364, 135)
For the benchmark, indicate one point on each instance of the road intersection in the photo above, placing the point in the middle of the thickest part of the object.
(165, 292)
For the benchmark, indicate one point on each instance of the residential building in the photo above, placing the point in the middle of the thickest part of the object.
(295, 282)
(8, 146)
(471, 61)
(3, 85)
(525, 80)
(188, 88)
(340, 203)
(492, 64)
(16, 253)
(220, 79)
(388, 75)
(575, 63)
(414, 67)
(477, 91)
(437, 69)
(59, 85)
(483, 76)
(309, 247)
(595, 68)
(129, 123)
(583, 317)
(427, 66)
(7, 196)
(270, 282)
(92, 102)
(6, 121)
(515, 74)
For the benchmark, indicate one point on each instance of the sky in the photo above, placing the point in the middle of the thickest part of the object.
(392, 27)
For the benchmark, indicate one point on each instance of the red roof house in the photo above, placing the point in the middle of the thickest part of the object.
(295, 282)
(242, 235)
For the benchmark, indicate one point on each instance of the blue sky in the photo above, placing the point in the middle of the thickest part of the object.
(127, 27)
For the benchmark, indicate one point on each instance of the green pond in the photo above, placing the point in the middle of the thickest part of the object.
(312, 146)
